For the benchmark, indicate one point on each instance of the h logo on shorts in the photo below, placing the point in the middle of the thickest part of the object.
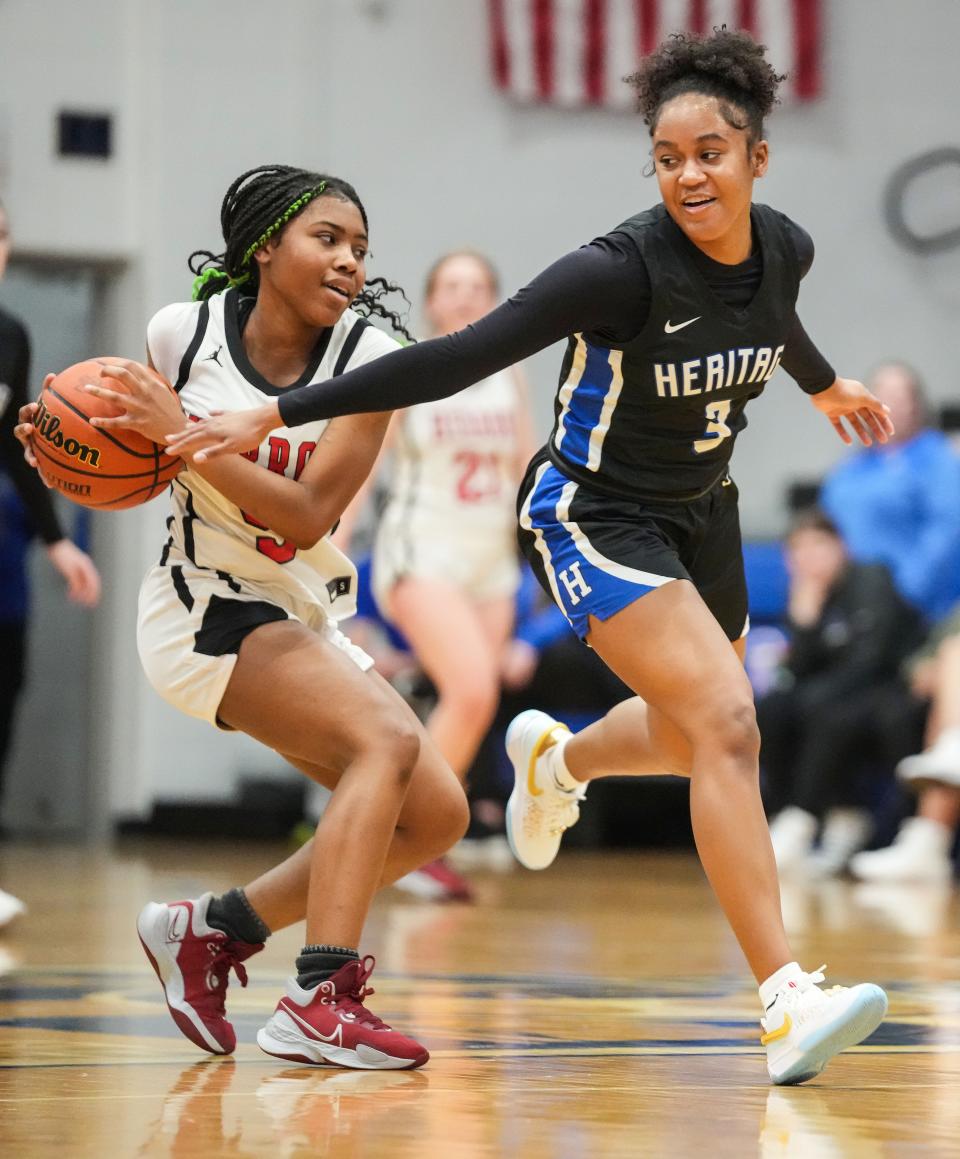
(577, 587)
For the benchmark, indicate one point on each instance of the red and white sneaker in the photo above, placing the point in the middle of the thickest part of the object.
(192, 961)
(436, 881)
(330, 1025)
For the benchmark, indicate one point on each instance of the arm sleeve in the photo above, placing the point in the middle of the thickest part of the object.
(594, 287)
(35, 497)
(801, 359)
(804, 363)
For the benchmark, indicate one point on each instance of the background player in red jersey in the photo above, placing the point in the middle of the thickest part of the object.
(674, 321)
(445, 561)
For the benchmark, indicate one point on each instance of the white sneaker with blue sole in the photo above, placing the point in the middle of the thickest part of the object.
(805, 1026)
(539, 811)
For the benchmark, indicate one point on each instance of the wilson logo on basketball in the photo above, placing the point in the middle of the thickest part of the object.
(48, 427)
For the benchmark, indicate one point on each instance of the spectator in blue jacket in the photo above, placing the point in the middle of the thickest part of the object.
(899, 503)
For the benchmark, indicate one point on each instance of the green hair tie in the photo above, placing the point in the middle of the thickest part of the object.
(209, 277)
(214, 275)
(281, 221)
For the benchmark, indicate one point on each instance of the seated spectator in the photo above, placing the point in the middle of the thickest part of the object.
(898, 503)
(837, 701)
(922, 848)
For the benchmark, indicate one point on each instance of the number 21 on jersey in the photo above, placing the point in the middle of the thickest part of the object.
(717, 429)
(478, 476)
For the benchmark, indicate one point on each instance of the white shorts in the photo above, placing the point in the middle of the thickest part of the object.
(191, 624)
(483, 564)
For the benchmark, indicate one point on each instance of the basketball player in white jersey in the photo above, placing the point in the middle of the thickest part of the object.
(238, 619)
(445, 559)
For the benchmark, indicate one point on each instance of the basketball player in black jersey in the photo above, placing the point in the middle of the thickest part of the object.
(674, 321)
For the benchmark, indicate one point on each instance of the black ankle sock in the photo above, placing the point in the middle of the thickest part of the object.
(235, 916)
(317, 963)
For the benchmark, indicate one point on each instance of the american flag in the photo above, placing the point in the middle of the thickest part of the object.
(576, 52)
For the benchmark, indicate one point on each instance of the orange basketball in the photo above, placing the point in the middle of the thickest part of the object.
(93, 467)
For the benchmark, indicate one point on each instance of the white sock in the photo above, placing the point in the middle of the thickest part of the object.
(776, 982)
(926, 833)
(948, 738)
(556, 767)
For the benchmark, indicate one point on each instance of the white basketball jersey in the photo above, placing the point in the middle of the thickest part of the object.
(455, 460)
(197, 346)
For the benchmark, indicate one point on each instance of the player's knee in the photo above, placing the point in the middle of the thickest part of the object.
(451, 817)
(474, 699)
(736, 733)
(394, 742)
(728, 730)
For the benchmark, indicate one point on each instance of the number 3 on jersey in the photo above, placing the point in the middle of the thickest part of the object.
(717, 429)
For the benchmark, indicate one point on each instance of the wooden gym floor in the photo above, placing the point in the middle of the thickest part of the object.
(598, 1009)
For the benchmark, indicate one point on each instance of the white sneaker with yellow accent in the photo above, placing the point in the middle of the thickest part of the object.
(539, 811)
(805, 1026)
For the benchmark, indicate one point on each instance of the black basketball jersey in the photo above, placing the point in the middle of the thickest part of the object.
(657, 417)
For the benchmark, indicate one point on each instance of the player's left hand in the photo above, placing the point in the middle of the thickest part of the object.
(848, 403)
(149, 403)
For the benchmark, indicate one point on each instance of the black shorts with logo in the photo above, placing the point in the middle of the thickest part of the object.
(594, 554)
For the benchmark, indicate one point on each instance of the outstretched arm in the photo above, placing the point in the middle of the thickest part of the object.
(300, 510)
(590, 287)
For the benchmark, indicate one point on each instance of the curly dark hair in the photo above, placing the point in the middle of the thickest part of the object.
(730, 66)
(257, 206)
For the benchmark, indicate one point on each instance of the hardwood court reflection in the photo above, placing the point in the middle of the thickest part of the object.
(598, 1009)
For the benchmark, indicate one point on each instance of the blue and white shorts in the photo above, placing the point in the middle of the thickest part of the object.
(594, 555)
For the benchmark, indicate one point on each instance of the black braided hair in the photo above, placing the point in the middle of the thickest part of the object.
(258, 205)
(730, 66)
